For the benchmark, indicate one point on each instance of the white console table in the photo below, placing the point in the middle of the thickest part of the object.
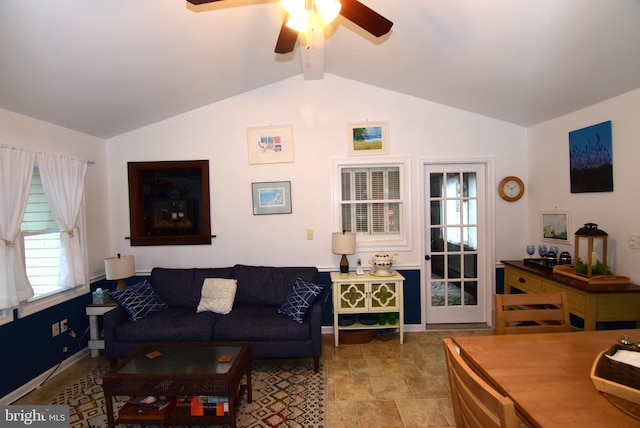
(94, 311)
(367, 294)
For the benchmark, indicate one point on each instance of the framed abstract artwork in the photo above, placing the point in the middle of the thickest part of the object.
(271, 197)
(370, 138)
(591, 159)
(270, 144)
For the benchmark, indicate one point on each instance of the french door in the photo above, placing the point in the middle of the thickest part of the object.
(456, 277)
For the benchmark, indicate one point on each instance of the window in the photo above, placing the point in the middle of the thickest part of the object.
(42, 253)
(372, 202)
(41, 241)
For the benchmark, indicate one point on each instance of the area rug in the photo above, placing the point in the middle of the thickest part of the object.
(453, 298)
(291, 396)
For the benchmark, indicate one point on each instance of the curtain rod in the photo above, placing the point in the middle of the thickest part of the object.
(45, 153)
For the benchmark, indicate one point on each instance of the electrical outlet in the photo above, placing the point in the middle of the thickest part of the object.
(634, 242)
(55, 329)
(63, 326)
(65, 349)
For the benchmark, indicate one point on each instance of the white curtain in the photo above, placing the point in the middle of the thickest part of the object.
(16, 169)
(63, 183)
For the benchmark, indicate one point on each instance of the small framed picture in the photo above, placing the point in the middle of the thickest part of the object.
(370, 138)
(556, 226)
(271, 197)
(270, 144)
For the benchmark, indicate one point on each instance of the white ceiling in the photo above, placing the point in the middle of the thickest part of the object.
(105, 67)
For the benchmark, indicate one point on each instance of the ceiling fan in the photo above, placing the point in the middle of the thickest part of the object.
(356, 12)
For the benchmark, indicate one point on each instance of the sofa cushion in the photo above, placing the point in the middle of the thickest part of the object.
(138, 301)
(182, 287)
(302, 296)
(264, 285)
(218, 295)
(173, 324)
(259, 323)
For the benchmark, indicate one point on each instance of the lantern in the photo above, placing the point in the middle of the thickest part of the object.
(592, 259)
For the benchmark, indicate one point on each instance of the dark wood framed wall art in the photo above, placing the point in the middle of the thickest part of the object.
(169, 203)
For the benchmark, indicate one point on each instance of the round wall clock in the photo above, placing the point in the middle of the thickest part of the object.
(511, 188)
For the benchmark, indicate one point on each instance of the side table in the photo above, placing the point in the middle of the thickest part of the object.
(94, 311)
(367, 294)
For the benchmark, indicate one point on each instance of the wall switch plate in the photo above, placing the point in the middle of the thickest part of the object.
(55, 329)
(309, 234)
(634, 242)
(63, 326)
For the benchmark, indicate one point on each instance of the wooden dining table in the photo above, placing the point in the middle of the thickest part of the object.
(548, 375)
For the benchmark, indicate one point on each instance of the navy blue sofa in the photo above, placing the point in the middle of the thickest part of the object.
(254, 318)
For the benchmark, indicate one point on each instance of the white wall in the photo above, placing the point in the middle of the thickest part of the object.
(31, 134)
(615, 212)
(319, 111)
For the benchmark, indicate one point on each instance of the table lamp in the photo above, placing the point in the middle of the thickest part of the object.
(119, 268)
(343, 243)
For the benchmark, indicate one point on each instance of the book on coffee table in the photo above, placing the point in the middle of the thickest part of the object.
(147, 408)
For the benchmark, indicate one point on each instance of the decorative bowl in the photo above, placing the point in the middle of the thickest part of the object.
(382, 263)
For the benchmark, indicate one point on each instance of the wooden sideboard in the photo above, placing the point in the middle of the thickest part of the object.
(592, 303)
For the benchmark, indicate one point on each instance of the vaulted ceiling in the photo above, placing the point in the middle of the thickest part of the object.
(105, 67)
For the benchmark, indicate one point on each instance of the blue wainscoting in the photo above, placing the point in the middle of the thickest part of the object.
(30, 350)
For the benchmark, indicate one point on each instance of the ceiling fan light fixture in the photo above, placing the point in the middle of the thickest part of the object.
(328, 9)
(298, 21)
(293, 6)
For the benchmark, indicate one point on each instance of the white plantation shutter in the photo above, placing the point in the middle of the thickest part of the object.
(346, 195)
(371, 200)
(393, 208)
(393, 184)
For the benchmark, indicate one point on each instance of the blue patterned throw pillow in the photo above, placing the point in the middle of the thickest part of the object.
(138, 301)
(303, 295)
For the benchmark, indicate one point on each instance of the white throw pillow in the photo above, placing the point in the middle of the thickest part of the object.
(217, 295)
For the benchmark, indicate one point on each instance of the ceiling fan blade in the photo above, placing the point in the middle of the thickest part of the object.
(196, 2)
(286, 39)
(365, 17)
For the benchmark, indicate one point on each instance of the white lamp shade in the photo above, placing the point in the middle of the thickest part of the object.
(119, 267)
(343, 243)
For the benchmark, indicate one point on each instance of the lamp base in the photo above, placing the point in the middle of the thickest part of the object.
(344, 264)
(121, 285)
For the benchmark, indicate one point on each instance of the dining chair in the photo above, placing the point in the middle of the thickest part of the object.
(532, 313)
(475, 403)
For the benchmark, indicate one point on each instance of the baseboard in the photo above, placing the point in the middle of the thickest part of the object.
(408, 328)
(458, 326)
(35, 382)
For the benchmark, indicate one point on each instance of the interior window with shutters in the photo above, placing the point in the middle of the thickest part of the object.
(372, 204)
(41, 242)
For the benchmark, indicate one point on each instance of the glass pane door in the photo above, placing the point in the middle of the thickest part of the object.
(455, 287)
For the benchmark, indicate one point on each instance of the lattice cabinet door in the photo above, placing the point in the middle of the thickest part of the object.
(384, 295)
(353, 296)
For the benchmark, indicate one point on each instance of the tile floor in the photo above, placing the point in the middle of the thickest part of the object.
(377, 384)
(385, 384)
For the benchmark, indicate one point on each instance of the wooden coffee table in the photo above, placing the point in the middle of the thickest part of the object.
(182, 369)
